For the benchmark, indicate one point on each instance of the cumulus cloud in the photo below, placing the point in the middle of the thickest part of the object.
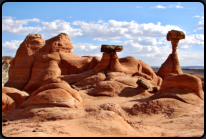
(9, 48)
(59, 26)
(13, 44)
(82, 49)
(193, 40)
(101, 30)
(121, 29)
(159, 7)
(200, 25)
(170, 6)
(16, 26)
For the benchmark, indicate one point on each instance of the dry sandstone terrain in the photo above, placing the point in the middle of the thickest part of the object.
(51, 92)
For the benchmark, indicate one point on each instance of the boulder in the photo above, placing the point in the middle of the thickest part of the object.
(130, 65)
(18, 96)
(184, 87)
(108, 88)
(21, 64)
(8, 103)
(55, 93)
(143, 84)
(111, 48)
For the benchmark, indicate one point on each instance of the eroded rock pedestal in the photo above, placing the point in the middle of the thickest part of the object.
(172, 65)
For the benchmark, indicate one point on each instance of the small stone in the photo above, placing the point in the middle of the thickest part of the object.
(156, 88)
(143, 84)
(5, 120)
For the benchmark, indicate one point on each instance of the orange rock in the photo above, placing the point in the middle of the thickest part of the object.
(72, 78)
(95, 60)
(104, 63)
(56, 93)
(91, 80)
(115, 64)
(108, 88)
(47, 60)
(73, 64)
(18, 96)
(185, 87)
(40, 73)
(146, 69)
(7, 103)
(171, 65)
(21, 64)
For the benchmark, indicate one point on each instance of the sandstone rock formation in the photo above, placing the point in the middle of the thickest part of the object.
(132, 98)
(172, 65)
(21, 64)
(184, 87)
(12, 98)
(56, 93)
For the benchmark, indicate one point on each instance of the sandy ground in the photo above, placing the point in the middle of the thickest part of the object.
(165, 117)
(181, 120)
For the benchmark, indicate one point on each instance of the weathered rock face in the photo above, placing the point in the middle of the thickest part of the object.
(111, 48)
(185, 87)
(172, 65)
(12, 98)
(55, 93)
(21, 64)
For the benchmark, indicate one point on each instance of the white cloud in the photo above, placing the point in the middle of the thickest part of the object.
(196, 16)
(107, 30)
(170, 6)
(116, 41)
(100, 21)
(159, 7)
(193, 40)
(13, 44)
(200, 25)
(121, 29)
(100, 39)
(59, 26)
(139, 7)
(16, 26)
(8, 17)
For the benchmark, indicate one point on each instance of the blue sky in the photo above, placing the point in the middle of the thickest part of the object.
(141, 27)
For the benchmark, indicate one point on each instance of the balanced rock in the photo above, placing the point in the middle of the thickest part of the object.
(172, 65)
(111, 48)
